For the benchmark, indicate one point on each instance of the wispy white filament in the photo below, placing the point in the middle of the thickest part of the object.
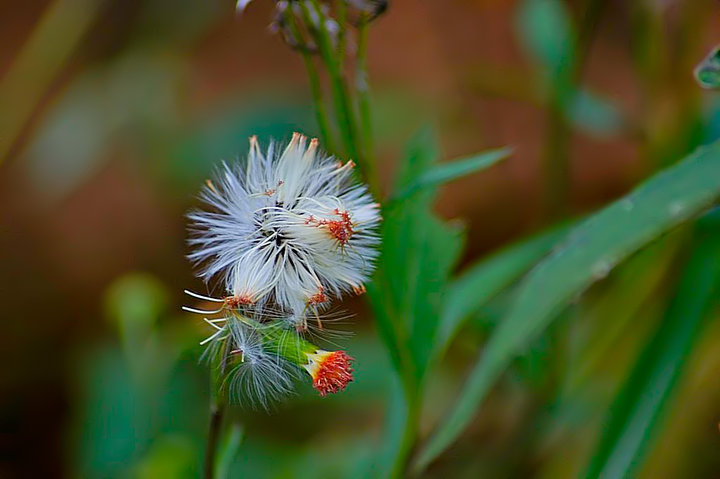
(286, 230)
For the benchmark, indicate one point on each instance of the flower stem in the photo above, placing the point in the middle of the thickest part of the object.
(408, 439)
(363, 93)
(217, 412)
(315, 89)
(344, 111)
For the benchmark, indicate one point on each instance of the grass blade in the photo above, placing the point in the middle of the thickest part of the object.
(485, 279)
(634, 416)
(452, 170)
(667, 199)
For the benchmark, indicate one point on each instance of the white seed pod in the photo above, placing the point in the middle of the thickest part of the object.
(286, 231)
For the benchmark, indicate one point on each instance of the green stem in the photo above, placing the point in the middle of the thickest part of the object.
(363, 91)
(315, 89)
(217, 412)
(344, 111)
(411, 427)
(557, 149)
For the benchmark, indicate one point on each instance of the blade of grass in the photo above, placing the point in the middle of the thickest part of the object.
(452, 170)
(592, 249)
(635, 416)
(228, 450)
(60, 29)
(485, 279)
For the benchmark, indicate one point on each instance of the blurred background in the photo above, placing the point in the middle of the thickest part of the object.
(113, 113)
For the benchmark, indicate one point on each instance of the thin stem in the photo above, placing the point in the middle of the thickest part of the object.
(411, 427)
(557, 149)
(315, 89)
(363, 91)
(344, 111)
(320, 113)
(217, 411)
(341, 10)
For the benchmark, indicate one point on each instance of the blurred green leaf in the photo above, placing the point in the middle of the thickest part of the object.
(635, 414)
(229, 446)
(707, 72)
(546, 31)
(134, 302)
(591, 251)
(452, 170)
(485, 279)
(169, 457)
(594, 114)
(418, 253)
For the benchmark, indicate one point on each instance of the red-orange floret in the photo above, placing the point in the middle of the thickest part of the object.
(237, 301)
(333, 373)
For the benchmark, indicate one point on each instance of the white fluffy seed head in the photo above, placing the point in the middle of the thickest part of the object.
(286, 230)
(255, 376)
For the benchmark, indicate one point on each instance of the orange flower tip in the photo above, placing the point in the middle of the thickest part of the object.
(313, 142)
(239, 300)
(359, 290)
(211, 185)
(296, 138)
(331, 371)
(317, 298)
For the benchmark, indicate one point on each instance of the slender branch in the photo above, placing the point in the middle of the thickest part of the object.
(363, 91)
(411, 427)
(344, 111)
(217, 412)
(314, 79)
(557, 148)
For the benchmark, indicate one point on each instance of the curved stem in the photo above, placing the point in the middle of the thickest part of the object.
(217, 411)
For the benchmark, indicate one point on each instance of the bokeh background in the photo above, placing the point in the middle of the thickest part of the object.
(112, 114)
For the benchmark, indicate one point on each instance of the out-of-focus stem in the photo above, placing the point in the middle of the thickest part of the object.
(59, 30)
(363, 92)
(344, 110)
(217, 412)
(320, 113)
(341, 10)
(556, 152)
(315, 89)
(411, 427)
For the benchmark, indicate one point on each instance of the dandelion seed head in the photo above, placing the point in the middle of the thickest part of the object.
(289, 230)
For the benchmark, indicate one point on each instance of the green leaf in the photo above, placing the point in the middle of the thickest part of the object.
(485, 279)
(594, 114)
(446, 172)
(418, 254)
(707, 72)
(635, 415)
(228, 450)
(591, 251)
(546, 31)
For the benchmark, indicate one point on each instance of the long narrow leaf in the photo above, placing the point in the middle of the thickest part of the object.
(592, 249)
(634, 416)
(452, 170)
(485, 279)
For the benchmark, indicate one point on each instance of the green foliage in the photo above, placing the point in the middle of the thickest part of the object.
(418, 254)
(547, 33)
(592, 249)
(636, 414)
(488, 277)
(707, 72)
(445, 172)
